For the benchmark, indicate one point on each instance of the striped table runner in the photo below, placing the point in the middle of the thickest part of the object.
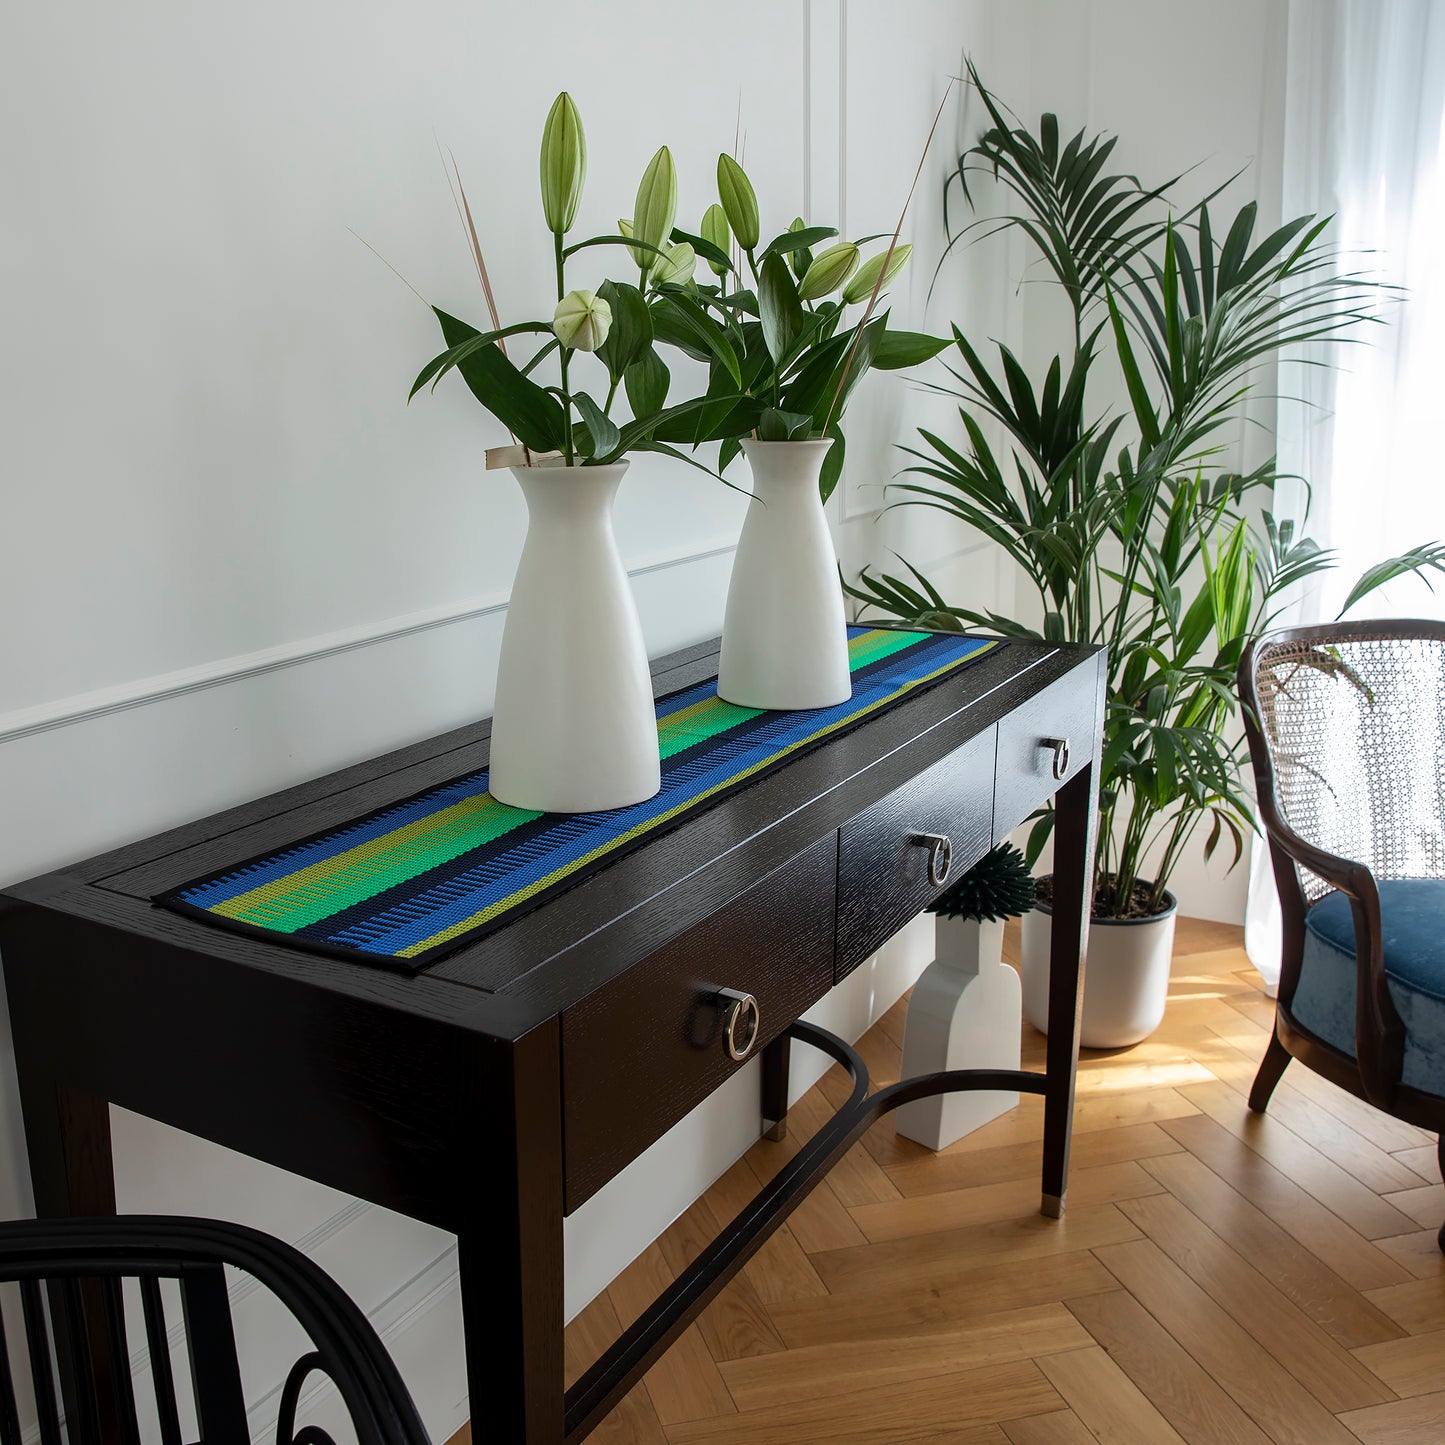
(406, 884)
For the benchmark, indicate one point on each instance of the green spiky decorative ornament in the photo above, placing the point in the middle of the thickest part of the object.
(997, 886)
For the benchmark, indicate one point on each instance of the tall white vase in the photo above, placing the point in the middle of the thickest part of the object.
(575, 728)
(785, 637)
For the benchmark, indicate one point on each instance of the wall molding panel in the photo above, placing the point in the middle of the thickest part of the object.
(84, 707)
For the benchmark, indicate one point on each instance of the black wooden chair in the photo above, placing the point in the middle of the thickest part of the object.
(1346, 729)
(73, 1317)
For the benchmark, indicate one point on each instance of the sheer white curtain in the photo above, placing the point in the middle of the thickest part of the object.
(1364, 127)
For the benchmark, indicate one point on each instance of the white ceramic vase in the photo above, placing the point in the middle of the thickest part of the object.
(785, 637)
(575, 727)
(1126, 975)
(964, 1014)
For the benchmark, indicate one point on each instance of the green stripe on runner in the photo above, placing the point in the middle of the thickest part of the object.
(537, 885)
(287, 904)
(881, 642)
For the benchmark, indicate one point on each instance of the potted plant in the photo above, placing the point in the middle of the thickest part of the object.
(1129, 529)
(787, 340)
(574, 728)
(965, 1008)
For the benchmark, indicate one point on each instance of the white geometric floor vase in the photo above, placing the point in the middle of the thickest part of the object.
(965, 1013)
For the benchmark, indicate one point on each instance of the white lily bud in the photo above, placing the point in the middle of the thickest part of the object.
(582, 321)
(828, 271)
(678, 265)
(865, 278)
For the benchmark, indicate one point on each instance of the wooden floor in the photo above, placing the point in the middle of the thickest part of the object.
(1218, 1278)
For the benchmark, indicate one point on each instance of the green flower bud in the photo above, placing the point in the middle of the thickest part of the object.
(739, 201)
(799, 260)
(678, 265)
(564, 164)
(582, 321)
(828, 271)
(860, 288)
(715, 228)
(656, 206)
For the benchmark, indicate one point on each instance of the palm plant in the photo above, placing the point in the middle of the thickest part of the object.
(1130, 528)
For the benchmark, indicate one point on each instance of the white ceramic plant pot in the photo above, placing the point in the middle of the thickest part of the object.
(1126, 975)
(964, 1014)
(575, 728)
(785, 637)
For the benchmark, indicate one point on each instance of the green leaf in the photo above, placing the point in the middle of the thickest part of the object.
(646, 381)
(1138, 393)
(697, 327)
(832, 463)
(1418, 560)
(606, 438)
(523, 407)
(631, 331)
(612, 240)
(907, 348)
(468, 346)
(850, 371)
(791, 241)
(679, 456)
(710, 251)
(783, 426)
(782, 312)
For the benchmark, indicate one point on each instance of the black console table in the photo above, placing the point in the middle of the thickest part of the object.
(496, 1091)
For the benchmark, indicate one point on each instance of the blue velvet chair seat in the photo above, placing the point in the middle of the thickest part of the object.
(1412, 915)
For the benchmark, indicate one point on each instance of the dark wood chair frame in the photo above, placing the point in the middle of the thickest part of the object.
(80, 1264)
(1373, 1074)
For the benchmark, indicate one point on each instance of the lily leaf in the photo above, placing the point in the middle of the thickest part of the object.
(704, 248)
(898, 349)
(832, 470)
(783, 426)
(631, 330)
(523, 407)
(791, 241)
(782, 312)
(606, 438)
(646, 381)
(678, 312)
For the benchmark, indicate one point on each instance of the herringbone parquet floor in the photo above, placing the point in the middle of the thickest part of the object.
(1218, 1277)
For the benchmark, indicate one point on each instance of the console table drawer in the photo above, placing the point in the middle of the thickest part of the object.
(1042, 744)
(883, 870)
(649, 1046)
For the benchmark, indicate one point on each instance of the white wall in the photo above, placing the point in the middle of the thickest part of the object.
(235, 559)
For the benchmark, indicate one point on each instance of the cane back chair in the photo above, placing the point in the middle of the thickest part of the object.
(66, 1308)
(1346, 730)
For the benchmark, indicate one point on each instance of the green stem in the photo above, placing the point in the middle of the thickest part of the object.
(567, 448)
(611, 392)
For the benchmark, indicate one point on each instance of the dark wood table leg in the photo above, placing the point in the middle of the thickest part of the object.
(775, 1061)
(510, 1252)
(1076, 810)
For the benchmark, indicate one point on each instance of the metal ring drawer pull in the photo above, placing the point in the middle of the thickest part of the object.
(744, 1023)
(1060, 748)
(940, 855)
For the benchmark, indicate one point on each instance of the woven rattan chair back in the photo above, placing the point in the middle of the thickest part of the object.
(1355, 725)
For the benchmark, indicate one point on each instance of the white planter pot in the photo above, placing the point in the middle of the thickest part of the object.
(964, 1014)
(575, 727)
(1126, 976)
(785, 637)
